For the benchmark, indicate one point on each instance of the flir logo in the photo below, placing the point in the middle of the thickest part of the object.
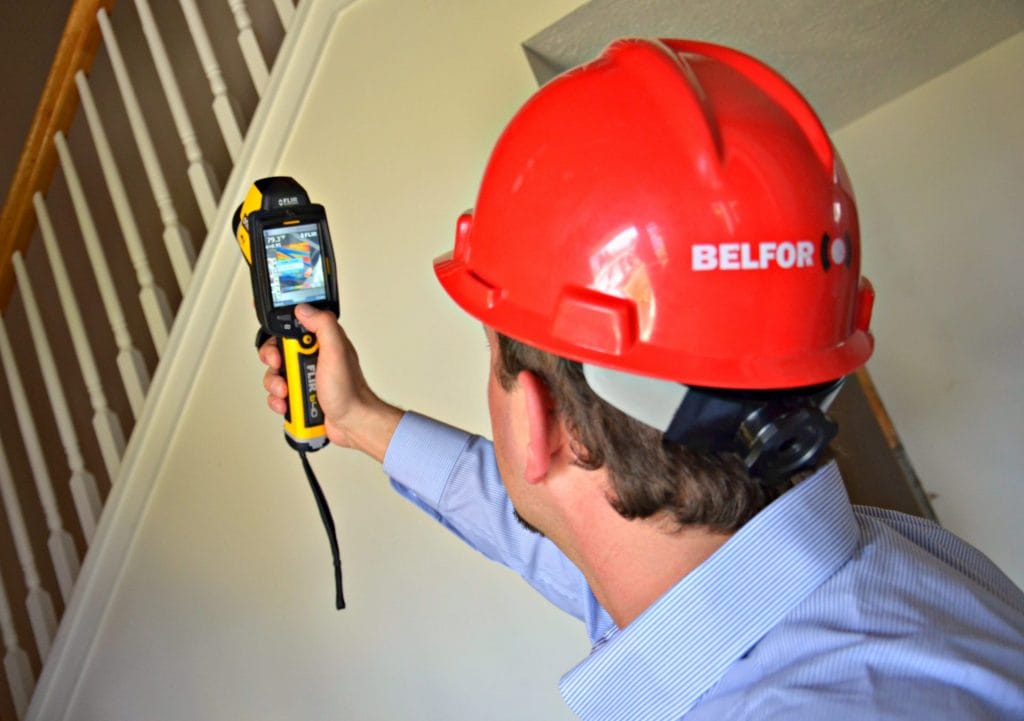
(313, 415)
(311, 377)
(290, 200)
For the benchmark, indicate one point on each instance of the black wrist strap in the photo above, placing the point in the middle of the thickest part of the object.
(332, 536)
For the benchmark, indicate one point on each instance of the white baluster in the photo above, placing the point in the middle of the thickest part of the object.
(41, 615)
(285, 11)
(133, 370)
(151, 296)
(176, 237)
(200, 175)
(105, 422)
(83, 485)
(224, 107)
(19, 671)
(60, 543)
(250, 47)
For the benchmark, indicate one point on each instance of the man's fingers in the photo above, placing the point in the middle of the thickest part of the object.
(274, 384)
(269, 354)
(278, 405)
(277, 390)
(321, 322)
(332, 339)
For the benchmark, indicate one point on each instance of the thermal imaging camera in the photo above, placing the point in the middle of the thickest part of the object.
(287, 244)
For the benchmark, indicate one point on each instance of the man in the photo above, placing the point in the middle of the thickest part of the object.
(665, 256)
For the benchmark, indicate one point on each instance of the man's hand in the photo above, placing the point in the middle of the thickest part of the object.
(355, 417)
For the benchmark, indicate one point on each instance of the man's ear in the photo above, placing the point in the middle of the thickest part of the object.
(545, 430)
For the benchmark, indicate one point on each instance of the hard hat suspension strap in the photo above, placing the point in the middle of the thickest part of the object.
(777, 433)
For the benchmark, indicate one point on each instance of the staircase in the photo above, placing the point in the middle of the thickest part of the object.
(141, 147)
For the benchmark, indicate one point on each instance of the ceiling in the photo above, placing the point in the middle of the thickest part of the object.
(846, 56)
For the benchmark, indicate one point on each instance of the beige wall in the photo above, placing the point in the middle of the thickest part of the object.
(939, 176)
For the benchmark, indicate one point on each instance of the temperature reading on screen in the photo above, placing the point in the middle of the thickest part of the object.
(295, 264)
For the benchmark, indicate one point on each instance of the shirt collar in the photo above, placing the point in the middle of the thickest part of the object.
(675, 651)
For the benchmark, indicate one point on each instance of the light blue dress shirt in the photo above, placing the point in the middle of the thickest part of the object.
(815, 609)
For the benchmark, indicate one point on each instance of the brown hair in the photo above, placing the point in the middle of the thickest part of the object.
(649, 477)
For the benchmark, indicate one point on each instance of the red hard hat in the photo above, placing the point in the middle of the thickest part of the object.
(672, 209)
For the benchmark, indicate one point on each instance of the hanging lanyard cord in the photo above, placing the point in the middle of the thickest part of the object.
(332, 536)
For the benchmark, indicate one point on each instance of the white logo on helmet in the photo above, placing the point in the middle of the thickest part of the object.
(754, 256)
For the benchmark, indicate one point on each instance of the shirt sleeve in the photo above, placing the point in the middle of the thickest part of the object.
(453, 476)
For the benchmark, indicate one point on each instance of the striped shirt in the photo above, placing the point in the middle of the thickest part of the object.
(815, 609)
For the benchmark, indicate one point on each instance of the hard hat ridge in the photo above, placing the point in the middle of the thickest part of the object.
(773, 85)
(665, 80)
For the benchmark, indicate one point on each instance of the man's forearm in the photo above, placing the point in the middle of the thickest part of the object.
(371, 433)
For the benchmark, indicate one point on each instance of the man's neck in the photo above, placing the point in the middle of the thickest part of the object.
(630, 564)
(629, 578)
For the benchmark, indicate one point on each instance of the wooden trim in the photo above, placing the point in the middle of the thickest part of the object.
(892, 440)
(56, 109)
(881, 415)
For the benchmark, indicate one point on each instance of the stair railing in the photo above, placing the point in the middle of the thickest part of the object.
(99, 235)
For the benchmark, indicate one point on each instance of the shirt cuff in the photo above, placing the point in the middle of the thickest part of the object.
(421, 457)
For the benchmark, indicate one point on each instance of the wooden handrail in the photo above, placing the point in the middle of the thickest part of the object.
(55, 111)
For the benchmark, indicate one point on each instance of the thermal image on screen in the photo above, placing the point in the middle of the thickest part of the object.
(294, 264)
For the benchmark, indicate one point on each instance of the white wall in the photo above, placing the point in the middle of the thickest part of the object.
(224, 608)
(939, 176)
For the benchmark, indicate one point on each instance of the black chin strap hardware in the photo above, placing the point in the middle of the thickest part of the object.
(778, 441)
(776, 433)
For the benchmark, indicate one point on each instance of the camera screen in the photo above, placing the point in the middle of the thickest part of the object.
(295, 264)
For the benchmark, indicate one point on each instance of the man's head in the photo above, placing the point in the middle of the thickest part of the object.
(673, 212)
